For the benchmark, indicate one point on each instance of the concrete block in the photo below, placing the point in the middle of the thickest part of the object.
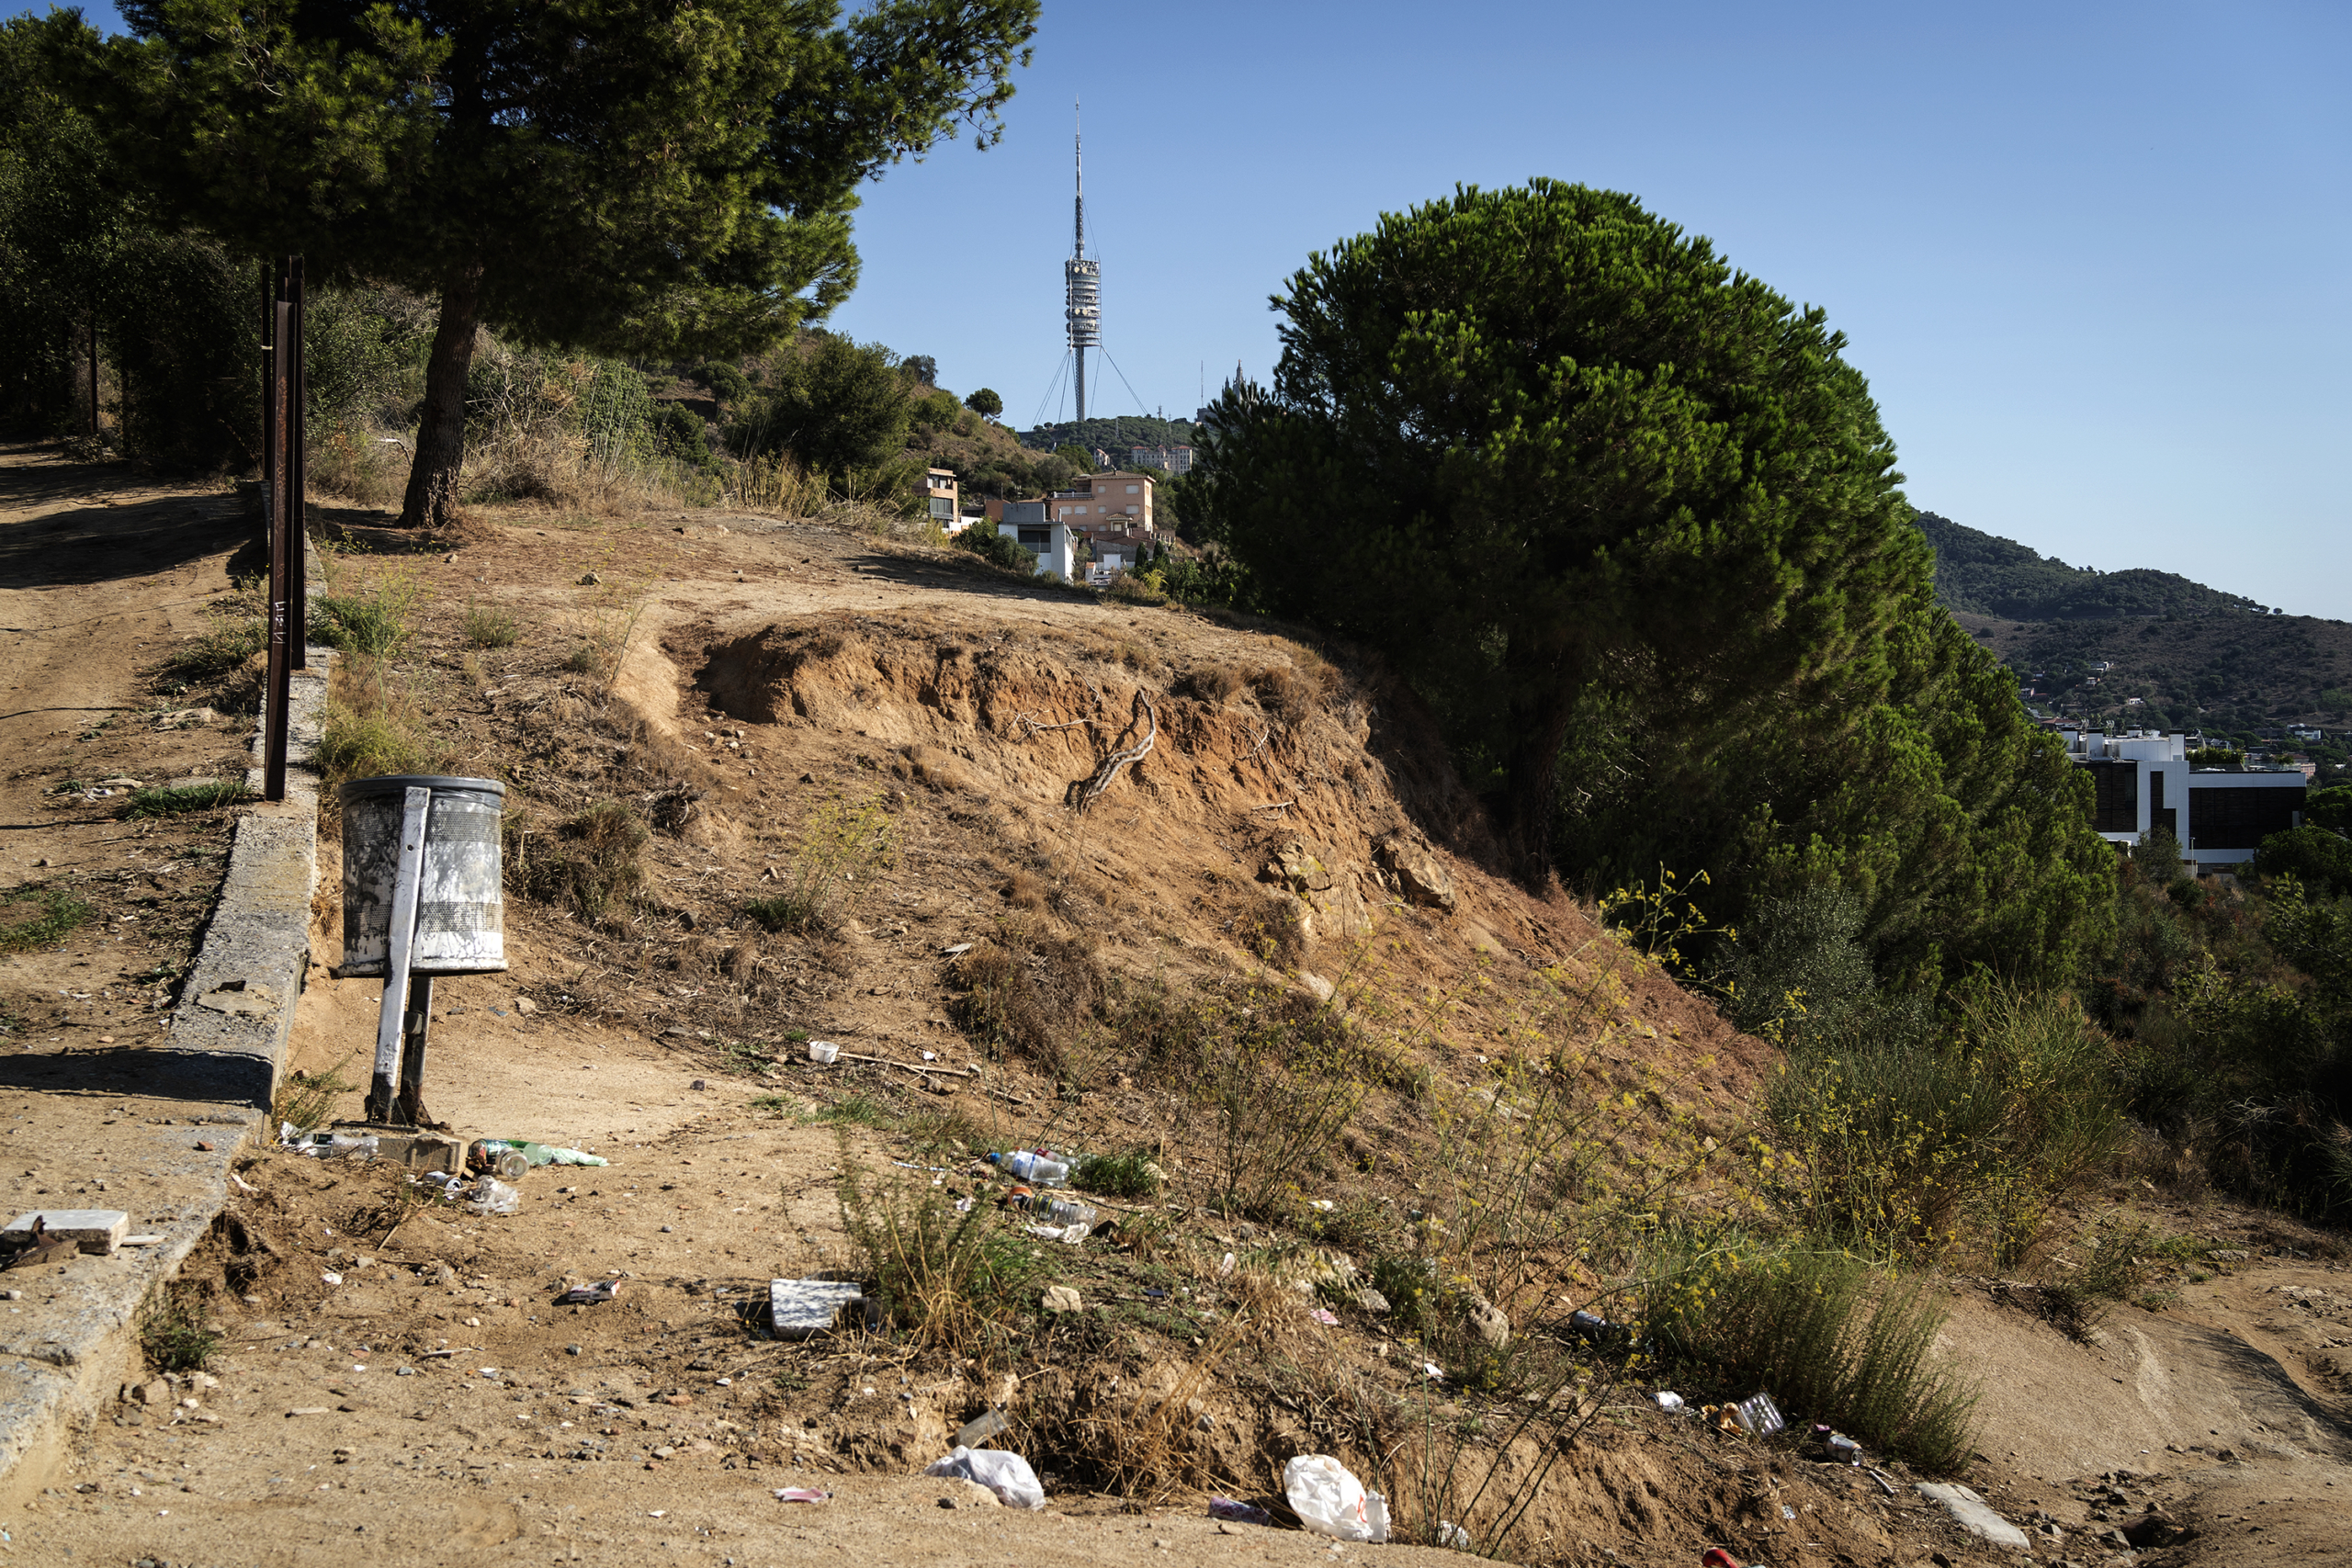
(98, 1230)
(802, 1307)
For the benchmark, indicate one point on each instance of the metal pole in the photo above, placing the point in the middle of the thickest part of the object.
(297, 456)
(277, 698)
(407, 1109)
(390, 1020)
(269, 390)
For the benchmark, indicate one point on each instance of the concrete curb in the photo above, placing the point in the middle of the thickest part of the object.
(225, 1046)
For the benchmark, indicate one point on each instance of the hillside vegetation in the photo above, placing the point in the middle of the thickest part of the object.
(1980, 574)
(2193, 657)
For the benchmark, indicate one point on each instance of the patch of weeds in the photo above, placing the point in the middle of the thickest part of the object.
(36, 915)
(937, 1132)
(841, 843)
(949, 1279)
(305, 1100)
(585, 659)
(1832, 1335)
(219, 652)
(857, 1111)
(173, 1338)
(2115, 1271)
(1130, 1175)
(745, 1056)
(486, 625)
(177, 800)
(592, 865)
(778, 1102)
(1031, 993)
(1410, 1286)
(374, 727)
(377, 621)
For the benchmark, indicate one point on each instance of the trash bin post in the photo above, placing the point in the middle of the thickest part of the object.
(391, 1021)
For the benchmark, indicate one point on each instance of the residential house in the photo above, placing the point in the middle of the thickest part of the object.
(1115, 500)
(1168, 459)
(1054, 544)
(944, 497)
(2221, 815)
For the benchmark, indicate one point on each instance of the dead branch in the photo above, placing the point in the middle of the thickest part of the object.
(1116, 763)
(1034, 728)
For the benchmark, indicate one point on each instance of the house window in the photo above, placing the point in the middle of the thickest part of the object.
(941, 507)
(1132, 489)
(1079, 510)
(1031, 538)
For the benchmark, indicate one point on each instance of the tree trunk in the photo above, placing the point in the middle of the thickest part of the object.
(432, 499)
(1532, 769)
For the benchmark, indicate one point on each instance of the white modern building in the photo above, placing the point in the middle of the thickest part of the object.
(2220, 815)
(1054, 544)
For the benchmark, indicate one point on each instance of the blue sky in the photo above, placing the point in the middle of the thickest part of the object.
(2091, 257)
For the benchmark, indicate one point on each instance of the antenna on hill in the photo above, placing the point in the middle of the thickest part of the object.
(1081, 278)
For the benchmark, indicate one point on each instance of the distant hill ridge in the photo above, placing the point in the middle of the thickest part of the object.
(1980, 574)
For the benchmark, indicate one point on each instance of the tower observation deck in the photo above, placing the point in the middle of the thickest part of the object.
(1081, 287)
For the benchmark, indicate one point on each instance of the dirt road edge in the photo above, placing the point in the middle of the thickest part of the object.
(224, 1048)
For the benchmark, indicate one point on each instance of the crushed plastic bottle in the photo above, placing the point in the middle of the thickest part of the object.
(1032, 1165)
(1067, 1212)
(490, 1155)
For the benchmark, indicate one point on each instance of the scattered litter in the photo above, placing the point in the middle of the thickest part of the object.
(1331, 1501)
(330, 1279)
(1885, 1485)
(823, 1051)
(1062, 1298)
(1225, 1266)
(1239, 1512)
(328, 1146)
(927, 1056)
(795, 1494)
(1070, 1235)
(1787, 1512)
(1322, 1205)
(1452, 1536)
(657, 1513)
(243, 1185)
(590, 1295)
(980, 1428)
(1758, 1416)
(1006, 1475)
(1716, 1556)
(959, 947)
(1431, 1368)
(492, 1196)
(1591, 1326)
(1667, 1399)
(152, 1238)
(482, 1153)
(799, 1308)
(1325, 1316)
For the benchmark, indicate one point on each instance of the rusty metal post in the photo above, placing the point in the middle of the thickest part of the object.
(297, 448)
(276, 698)
(269, 390)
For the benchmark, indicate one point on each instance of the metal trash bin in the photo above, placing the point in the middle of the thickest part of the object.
(461, 918)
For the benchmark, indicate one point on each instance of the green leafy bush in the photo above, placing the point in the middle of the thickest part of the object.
(984, 541)
(2318, 859)
(1130, 1175)
(950, 1280)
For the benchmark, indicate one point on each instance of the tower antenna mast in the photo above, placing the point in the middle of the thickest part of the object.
(1081, 278)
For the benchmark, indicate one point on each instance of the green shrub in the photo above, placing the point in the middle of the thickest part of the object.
(1889, 1145)
(2314, 856)
(35, 915)
(219, 652)
(374, 621)
(488, 626)
(953, 1280)
(176, 800)
(1130, 1175)
(365, 745)
(1830, 1337)
(982, 540)
(173, 1335)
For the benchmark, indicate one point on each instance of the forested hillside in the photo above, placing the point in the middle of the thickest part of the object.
(1980, 574)
(2181, 655)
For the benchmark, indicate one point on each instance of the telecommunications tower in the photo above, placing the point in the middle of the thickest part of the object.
(1082, 283)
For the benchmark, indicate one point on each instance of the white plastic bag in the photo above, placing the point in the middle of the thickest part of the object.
(1329, 1501)
(492, 1196)
(1007, 1475)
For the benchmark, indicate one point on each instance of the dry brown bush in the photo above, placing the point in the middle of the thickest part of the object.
(1031, 992)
